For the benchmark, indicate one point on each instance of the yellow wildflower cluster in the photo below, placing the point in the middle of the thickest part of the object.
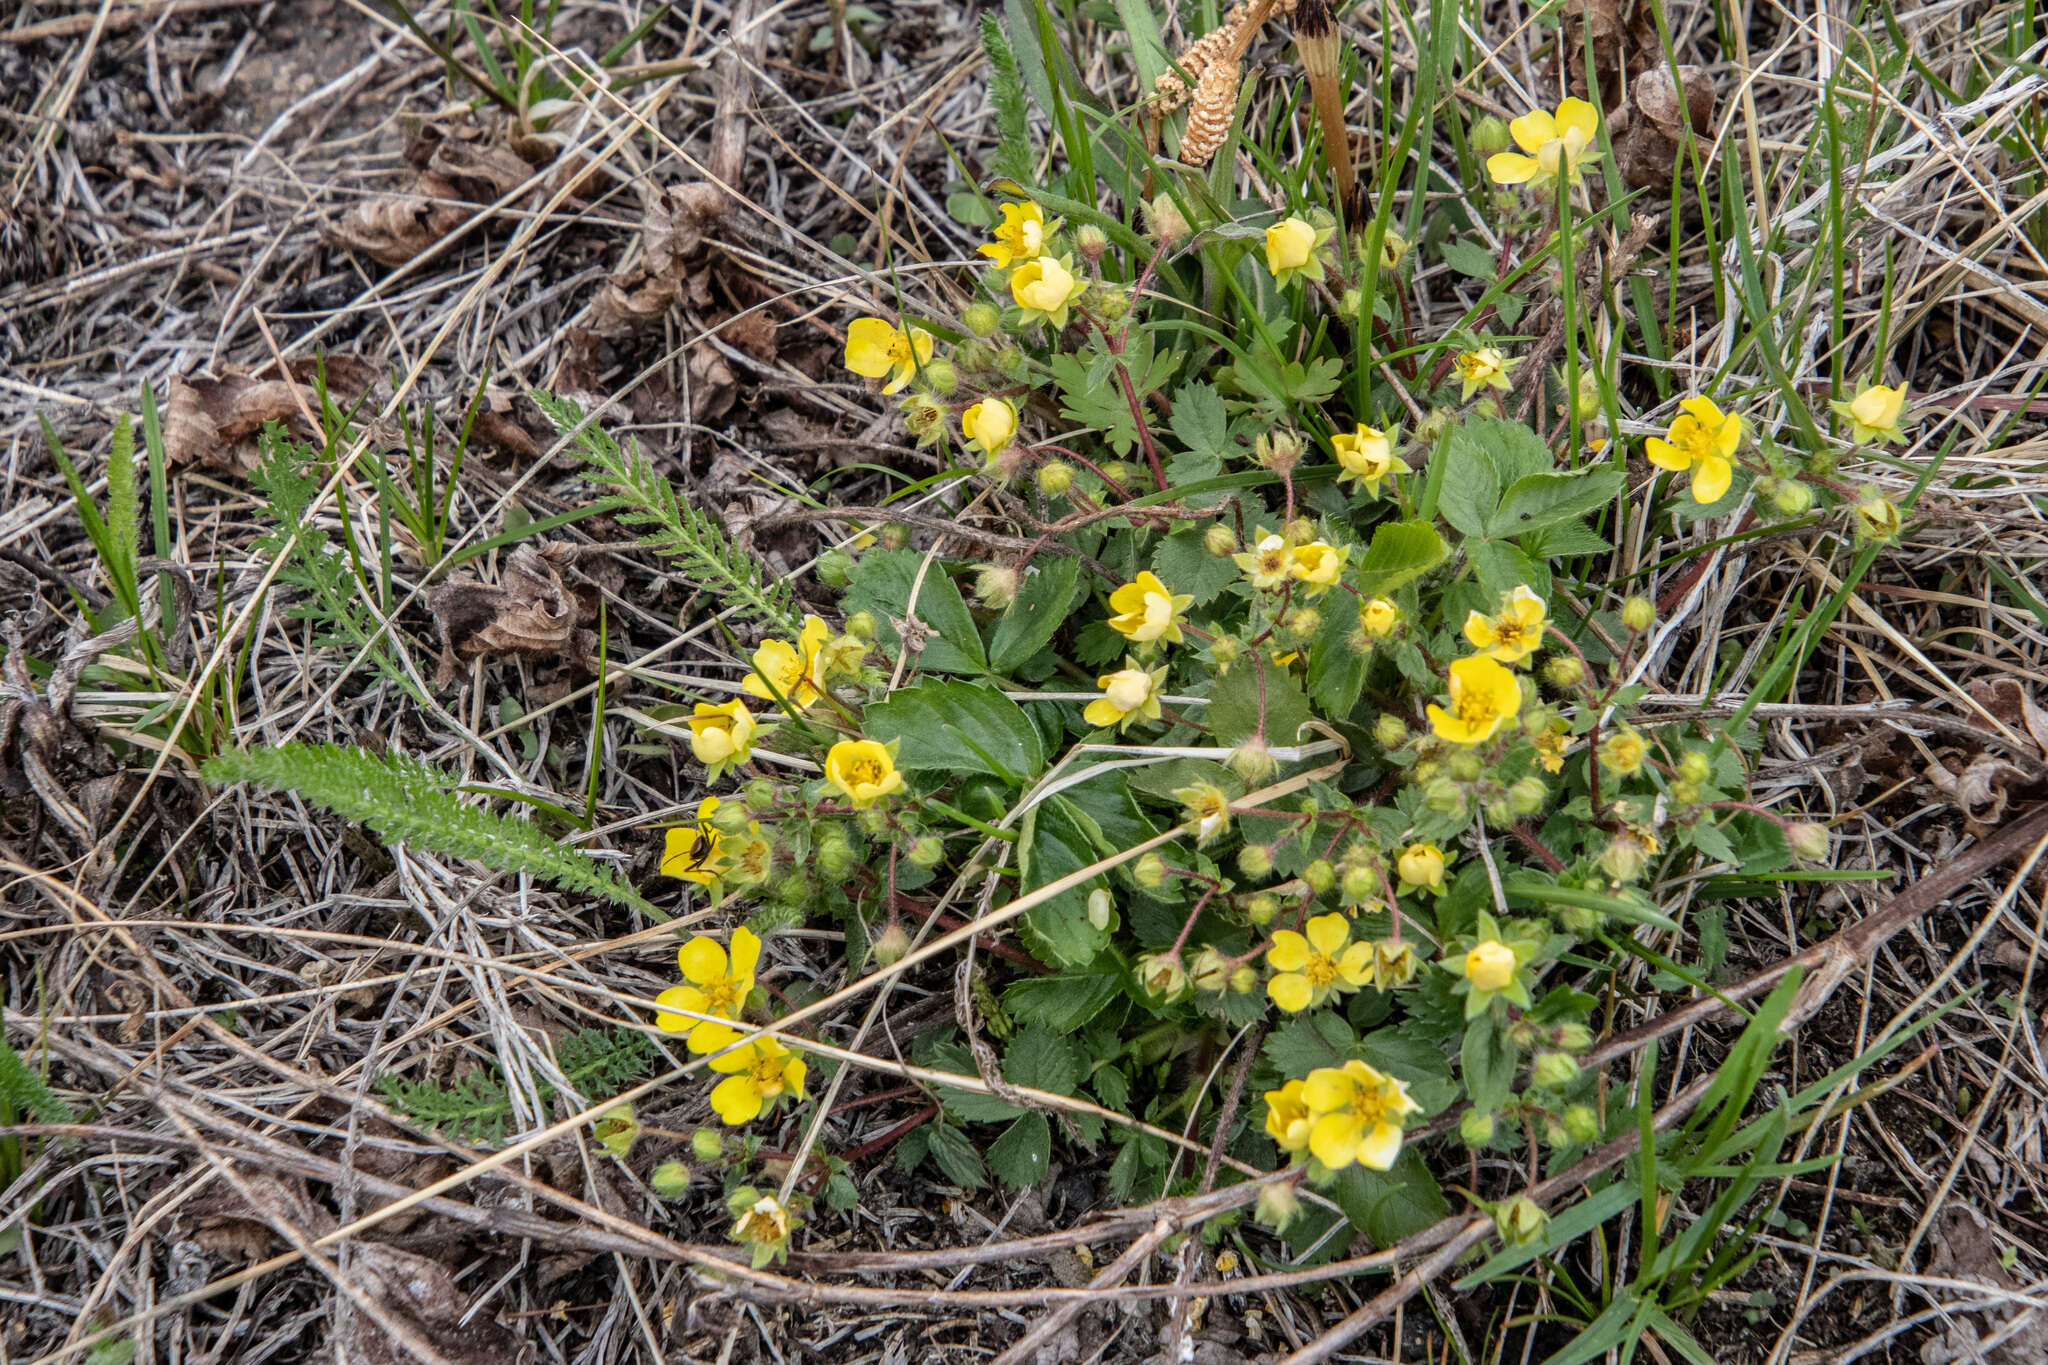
(1485, 694)
(1341, 1115)
(1556, 144)
(1366, 455)
(1703, 439)
(1274, 561)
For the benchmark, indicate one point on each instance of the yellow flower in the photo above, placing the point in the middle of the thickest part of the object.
(1422, 868)
(713, 985)
(1702, 439)
(1291, 246)
(874, 348)
(1288, 1119)
(1393, 247)
(990, 424)
(693, 852)
(1484, 696)
(1622, 752)
(1314, 964)
(1208, 806)
(1876, 413)
(1044, 286)
(1366, 455)
(1512, 636)
(1148, 610)
(1877, 518)
(1268, 563)
(1129, 695)
(1020, 236)
(1490, 966)
(722, 734)
(1317, 565)
(864, 770)
(765, 1223)
(757, 1075)
(1551, 747)
(1379, 617)
(1483, 368)
(1556, 145)
(1358, 1113)
(789, 674)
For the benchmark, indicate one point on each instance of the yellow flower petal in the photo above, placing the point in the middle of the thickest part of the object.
(1329, 934)
(1289, 952)
(702, 961)
(1710, 479)
(1510, 168)
(1291, 992)
(1576, 116)
(737, 1100)
(1532, 130)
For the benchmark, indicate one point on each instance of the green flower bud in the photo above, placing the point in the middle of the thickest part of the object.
(1564, 672)
(1810, 842)
(1254, 762)
(873, 821)
(1091, 241)
(1573, 1036)
(1581, 1124)
(730, 817)
(1244, 980)
(1055, 477)
(1638, 613)
(1528, 795)
(1261, 909)
(1351, 303)
(1475, 1129)
(1279, 451)
(1165, 220)
(1150, 871)
(982, 318)
(616, 1130)
(1255, 860)
(1109, 303)
(891, 944)
(1553, 1070)
(1695, 766)
(926, 851)
(1580, 922)
(795, 889)
(1209, 972)
(1390, 730)
(1225, 651)
(1443, 796)
(1163, 976)
(995, 586)
(1520, 1221)
(707, 1144)
(1359, 884)
(1877, 518)
(861, 625)
(1489, 136)
(759, 794)
(1433, 425)
(1120, 471)
(1791, 497)
(833, 567)
(1465, 766)
(941, 375)
(1279, 1204)
(1499, 814)
(1319, 875)
(1101, 910)
(1300, 531)
(1219, 540)
(670, 1180)
(834, 853)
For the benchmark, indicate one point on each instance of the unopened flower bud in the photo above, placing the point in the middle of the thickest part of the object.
(890, 946)
(941, 375)
(1209, 972)
(1809, 842)
(1120, 471)
(1055, 477)
(707, 1144)
(1225, 650)
(1109, 303)
(730, 817)
(1564, 671)
(1791, 497)
(1586, 400)
(670, 1180)
(1278, 1206)
(1527, 795)
(1489, 136)
(982, 318)
(1244, 980)
(1553, 1070)
(1638, 613)
(1351, 303)
(995, 586)
(1150, 871)
(1220, 540)
(1278, 451)
(874, 820)
(1319, 875)
(861, 625)
(1261, 908)
(1625, 857)
(1465, 766)
(1101, 910)
(1580, 1123)
(759, 795)
(1499, 814)
(1443, 796)
(1377, 618)
(1580, 922)
(1255, 860)
(1358, 884)
(1390, 730)
(833, 567)
(1164, 218)
(1300, 531)
(834, 853)
(1695, 766)
(1520, 1221)
(1163, 976)
(895, 536)
(1573, 1036)
(1877, 518)
(1091, 241)
(1254, 762)
(1475, 1128)
(926, 851)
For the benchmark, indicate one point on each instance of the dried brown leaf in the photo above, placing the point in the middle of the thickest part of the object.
(1649, 141)
(531, 614)
(419, 1297)
(671, 268)
(214, 421)
(456, 170)
(1964, 1249)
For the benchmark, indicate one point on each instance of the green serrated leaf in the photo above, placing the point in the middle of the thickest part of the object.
(1471, 260)
(1401, 551)
(1064, 1001)
(1185, 565)
(1336, 670)
(1489, 1062)
(881, 581)
(1021, 1155)
(1055, 843)
(958, 727)
(1392, 1204)
(1043, 601)
(1241, 705)
(1303, 1042)
(1202, 423)
(1039, 1059)
(954, 1154)
(1536, 502)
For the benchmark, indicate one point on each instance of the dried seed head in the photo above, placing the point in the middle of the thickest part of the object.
(1210, 117)
(1197, 59)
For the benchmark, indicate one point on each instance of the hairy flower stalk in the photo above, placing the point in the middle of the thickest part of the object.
(1315, 38)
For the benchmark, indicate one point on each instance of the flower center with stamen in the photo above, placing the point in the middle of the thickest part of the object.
(1320, 971)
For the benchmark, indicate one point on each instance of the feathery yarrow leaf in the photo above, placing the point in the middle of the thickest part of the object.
(670, 526)
(476, 1107)
(407, 801)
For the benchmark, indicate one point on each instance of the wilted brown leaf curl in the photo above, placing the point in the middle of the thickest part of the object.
(531, 614)
(214, 420)
(455, 170)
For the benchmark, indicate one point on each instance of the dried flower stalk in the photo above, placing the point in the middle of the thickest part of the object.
(1316, 39)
